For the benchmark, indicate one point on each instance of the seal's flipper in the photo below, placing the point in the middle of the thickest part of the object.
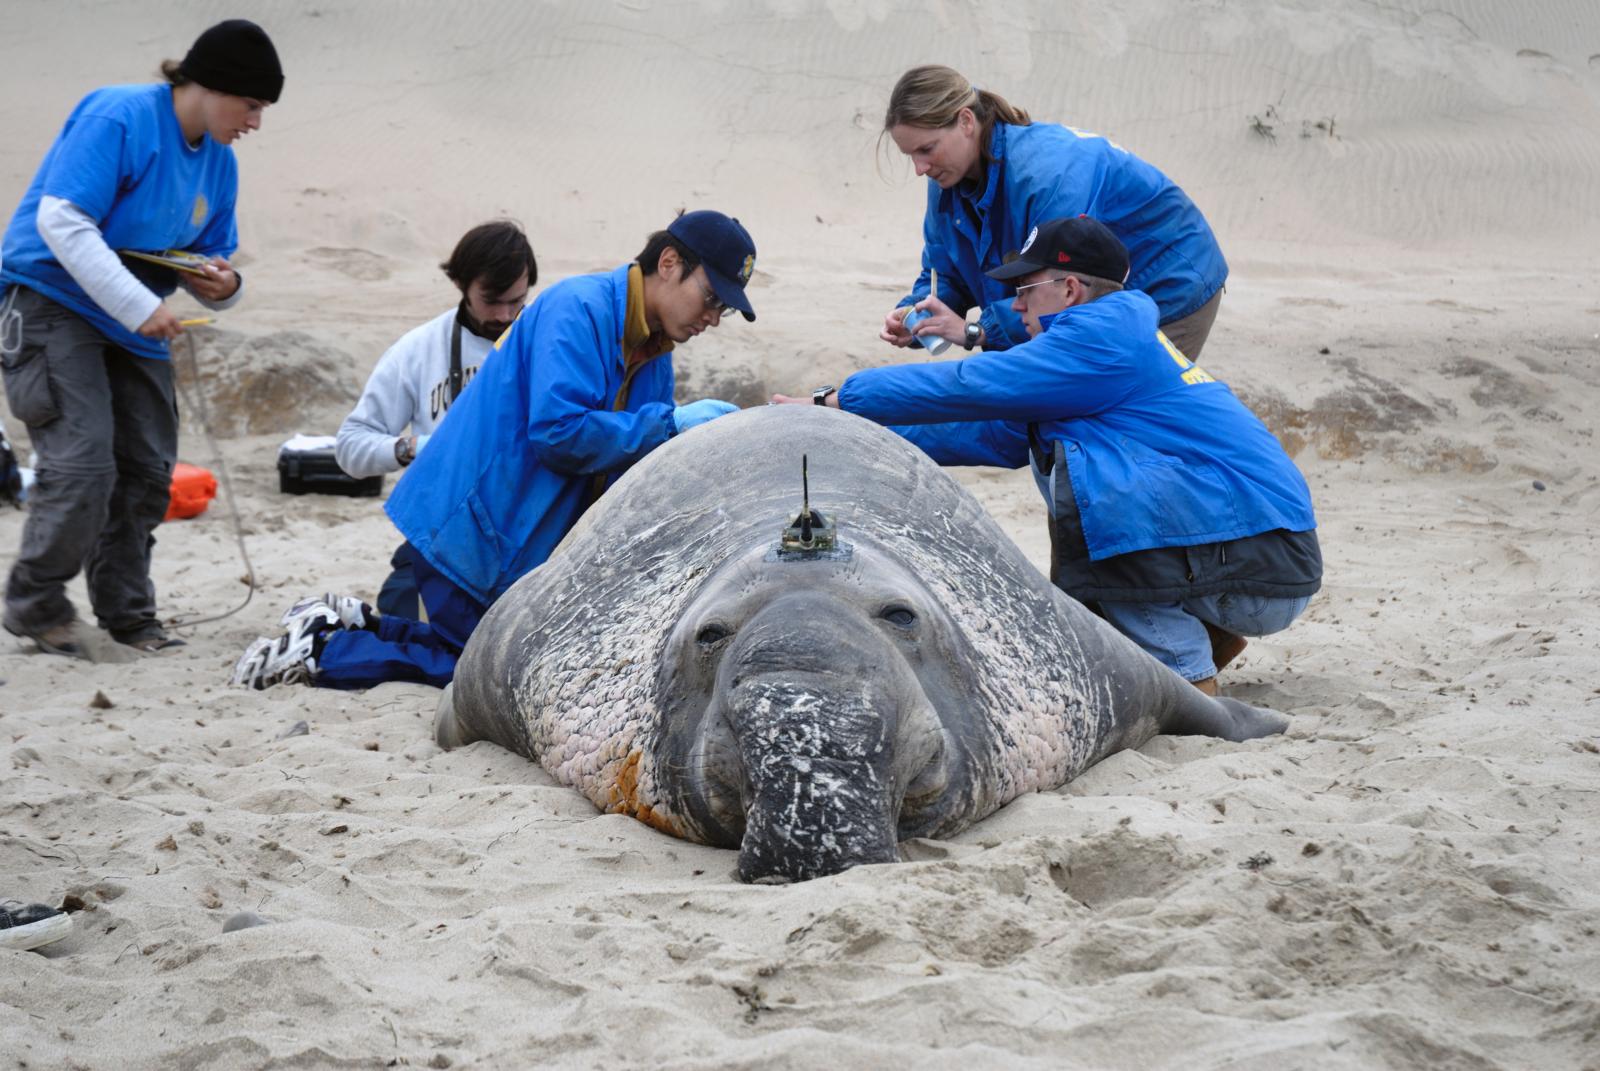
(448, 731)
(1198, 714)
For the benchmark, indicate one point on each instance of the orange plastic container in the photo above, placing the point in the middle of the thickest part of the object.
(193, 488)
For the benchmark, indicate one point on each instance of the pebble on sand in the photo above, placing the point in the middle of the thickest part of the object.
(243, 921)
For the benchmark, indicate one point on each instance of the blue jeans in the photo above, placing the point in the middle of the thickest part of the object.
(401, 649)
(1175, 632)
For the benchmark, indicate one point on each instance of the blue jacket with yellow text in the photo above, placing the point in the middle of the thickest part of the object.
(1158, 453)
(1042, 172)
(502, 481)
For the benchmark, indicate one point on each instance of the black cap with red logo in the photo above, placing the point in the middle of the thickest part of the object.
(1077, 244)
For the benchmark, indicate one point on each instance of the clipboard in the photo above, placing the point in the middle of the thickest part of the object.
(177, 259)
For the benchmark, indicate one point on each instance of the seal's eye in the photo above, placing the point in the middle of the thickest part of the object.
(899, 615)
(710, 634)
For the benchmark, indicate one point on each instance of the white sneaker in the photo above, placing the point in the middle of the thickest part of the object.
(25, 926)
(351, 611)
(248, 669)
(292, 657)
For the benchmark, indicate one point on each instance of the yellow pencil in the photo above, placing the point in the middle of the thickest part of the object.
(197, 321)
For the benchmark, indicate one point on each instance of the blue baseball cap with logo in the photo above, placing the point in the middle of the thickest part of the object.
(726, 251)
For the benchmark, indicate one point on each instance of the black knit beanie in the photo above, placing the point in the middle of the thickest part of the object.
(235, 57)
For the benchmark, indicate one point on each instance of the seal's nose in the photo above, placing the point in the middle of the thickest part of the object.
(820, 757)
(819, 701)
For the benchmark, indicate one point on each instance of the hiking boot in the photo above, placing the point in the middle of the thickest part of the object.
(57, 639)
(25, 926)
(1225, 645)
(351, 611)
(290, 658)
(149, 637)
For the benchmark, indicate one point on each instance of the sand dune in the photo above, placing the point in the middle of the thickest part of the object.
(1406, 193)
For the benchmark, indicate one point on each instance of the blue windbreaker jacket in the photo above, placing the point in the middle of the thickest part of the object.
(512, 470)
(1159, 453)
(1042, 172)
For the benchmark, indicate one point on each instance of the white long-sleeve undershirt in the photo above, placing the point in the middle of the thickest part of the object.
(74, 239)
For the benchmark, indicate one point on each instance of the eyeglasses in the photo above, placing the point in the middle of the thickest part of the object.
(709, 298)
(1041, 282)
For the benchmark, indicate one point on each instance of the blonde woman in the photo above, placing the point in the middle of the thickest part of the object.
(994, 176)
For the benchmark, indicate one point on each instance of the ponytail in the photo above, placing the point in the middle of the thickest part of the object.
(172, 72)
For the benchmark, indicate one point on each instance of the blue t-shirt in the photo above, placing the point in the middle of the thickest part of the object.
(123, 160)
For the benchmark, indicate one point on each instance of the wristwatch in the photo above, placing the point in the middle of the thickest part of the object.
(404, 451)
(820, 395)
(974, 332)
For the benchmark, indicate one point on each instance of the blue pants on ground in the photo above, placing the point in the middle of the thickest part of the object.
(398, 596)
(1175, 632)
(402, 649)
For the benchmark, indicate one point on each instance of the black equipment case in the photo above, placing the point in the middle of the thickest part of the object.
(304, 471)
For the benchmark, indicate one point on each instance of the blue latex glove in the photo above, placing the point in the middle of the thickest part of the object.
(422, 440)
(685, 417)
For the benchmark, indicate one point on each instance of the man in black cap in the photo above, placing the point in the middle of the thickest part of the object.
(1172, 508)
(578, 390)
(137, 171)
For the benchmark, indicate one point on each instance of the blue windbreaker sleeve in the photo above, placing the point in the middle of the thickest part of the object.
(89, 165)
(570, 422)
(1000, 443)
(952, 291)
(1075, 369)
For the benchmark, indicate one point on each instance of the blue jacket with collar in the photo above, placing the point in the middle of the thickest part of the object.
(502, 481)
(1042, 172)
(1159, 454)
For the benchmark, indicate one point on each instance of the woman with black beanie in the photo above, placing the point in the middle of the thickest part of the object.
(84, 330)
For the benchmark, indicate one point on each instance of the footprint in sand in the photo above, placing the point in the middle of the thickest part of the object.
(360, 264)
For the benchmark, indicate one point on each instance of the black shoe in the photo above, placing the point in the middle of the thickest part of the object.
(56, 640)
(25, 926)
(151, 637)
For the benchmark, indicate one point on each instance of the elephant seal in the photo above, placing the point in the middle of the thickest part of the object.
(808, 689)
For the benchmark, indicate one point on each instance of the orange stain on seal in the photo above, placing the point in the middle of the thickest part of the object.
(625, 797)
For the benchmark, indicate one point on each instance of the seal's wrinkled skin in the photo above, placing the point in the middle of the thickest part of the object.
(811, 711)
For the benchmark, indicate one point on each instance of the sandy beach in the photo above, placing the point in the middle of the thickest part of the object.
(1407, 196)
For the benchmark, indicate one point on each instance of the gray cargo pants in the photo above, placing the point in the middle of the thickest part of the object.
(105, 425)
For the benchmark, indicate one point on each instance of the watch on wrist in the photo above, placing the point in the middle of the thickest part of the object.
(404, 452)
(973, 333)
(820, 395)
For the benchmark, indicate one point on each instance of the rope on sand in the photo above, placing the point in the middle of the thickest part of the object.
(198, 404)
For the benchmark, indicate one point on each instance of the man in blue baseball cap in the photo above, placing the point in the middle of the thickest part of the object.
(577, 390)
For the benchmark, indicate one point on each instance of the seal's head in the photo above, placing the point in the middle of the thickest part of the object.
(816, 711)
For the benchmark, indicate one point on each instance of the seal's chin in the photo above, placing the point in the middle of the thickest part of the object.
(800, 826)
